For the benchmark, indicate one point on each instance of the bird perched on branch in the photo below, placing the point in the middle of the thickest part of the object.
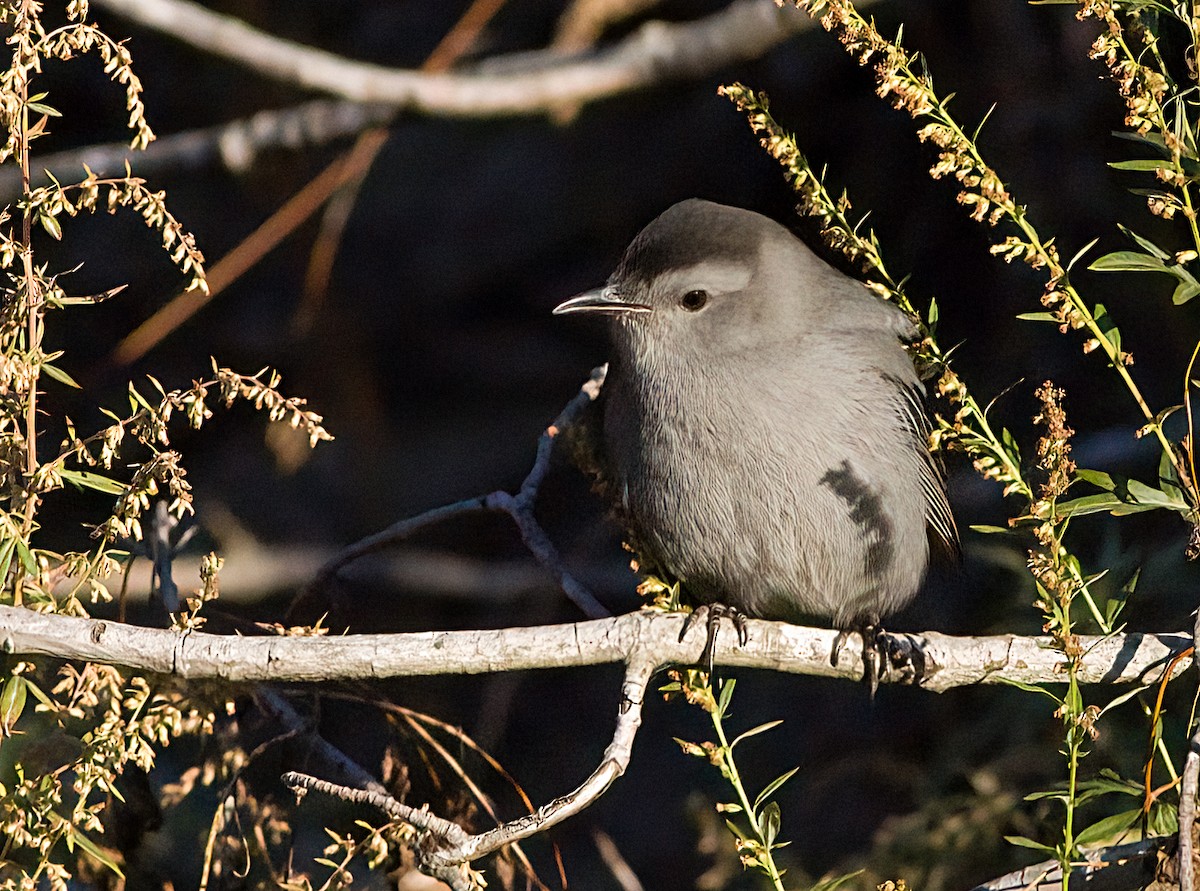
(761, 433)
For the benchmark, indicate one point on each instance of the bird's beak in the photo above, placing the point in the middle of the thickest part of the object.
(602, 300)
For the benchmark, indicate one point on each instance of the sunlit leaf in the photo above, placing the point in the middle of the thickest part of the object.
(1127, 261)
(1023, 842)
(754, 731)
(85, 479)
(773, 786)
(1109, 828)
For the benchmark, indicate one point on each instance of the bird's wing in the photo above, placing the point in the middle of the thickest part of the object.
(940, 520)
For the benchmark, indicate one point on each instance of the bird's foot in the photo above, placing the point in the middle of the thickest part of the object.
(882, 653)
(713, 613)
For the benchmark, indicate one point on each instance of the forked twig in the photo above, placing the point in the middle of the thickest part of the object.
(448, 848)
(519, 506)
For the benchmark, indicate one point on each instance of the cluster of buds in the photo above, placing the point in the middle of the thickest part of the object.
(162, 473)
(814, 201)
(1065, 311)
(1056, 587)
(1054, 446)
(905, 92)
(1142, 88)
(983, 190)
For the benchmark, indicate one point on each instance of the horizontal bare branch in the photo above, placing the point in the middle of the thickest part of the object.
(652, 54)
(950, 661)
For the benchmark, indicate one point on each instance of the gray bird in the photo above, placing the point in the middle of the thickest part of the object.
(761, 433)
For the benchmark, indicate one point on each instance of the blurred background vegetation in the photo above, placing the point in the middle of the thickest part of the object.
(435, 361)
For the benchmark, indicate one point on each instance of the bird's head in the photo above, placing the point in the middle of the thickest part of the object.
(701, 279)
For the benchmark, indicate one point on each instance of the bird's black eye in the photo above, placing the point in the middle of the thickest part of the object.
(693, 301)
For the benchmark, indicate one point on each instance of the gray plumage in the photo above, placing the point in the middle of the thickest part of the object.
(761, 432)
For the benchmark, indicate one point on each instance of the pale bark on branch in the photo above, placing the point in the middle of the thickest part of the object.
(950, 661)
(536, 84)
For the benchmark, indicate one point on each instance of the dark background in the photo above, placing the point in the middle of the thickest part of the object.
(436, 364)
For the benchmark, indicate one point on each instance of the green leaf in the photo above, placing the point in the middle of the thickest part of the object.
(6, 554)
(1164, 819)
(1149, 495)
(42, 108)
(736, 830)
(1022, 842)
(1108, 781)
(1048, 795)
(725, 697)
(1184, 292)
(1029, 688)
(26, 557)
(50, 224)
(1037, 317)
(990, 530)
(773, 787)
(1079, 254)
(1088, 504)
(754, 731)
(1097, 478)
(1149, 164)
(12, 702)
(1124, 697)
(1144, 243)
(1168, 476)
(770, 823)
(59, 375)
(1153, 141)
(832, 884)
(1117, 600)
(1127, 261)
(85, 479)
(95, 852)
(1109, 827)
(39, 695)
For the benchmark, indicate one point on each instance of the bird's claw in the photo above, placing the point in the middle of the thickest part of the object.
(713, 613)
(882, 653)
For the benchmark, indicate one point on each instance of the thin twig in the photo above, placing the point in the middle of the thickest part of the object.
(518, 506)
(449, 847)
(229, 268)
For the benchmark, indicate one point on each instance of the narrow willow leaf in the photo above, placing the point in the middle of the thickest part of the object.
(773, 786)
(59, 375)
(1144, 243)
(1023, 842)
(85, 479)
(1079, 254)
(754, 731)
(1029, 688)
(1127, 261)
(725, 697)
(1152, 164)
(832, 884)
